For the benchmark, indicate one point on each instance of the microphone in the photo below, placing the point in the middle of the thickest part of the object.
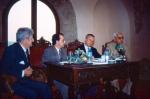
(120, 48)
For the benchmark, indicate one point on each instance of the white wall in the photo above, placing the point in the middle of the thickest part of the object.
(84, 16)
(110, 16)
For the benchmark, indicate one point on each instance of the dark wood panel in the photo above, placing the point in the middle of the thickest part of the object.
(76, 76)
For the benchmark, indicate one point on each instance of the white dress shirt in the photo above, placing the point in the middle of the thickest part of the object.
(58, 51)
(86, 48)
(24, 49)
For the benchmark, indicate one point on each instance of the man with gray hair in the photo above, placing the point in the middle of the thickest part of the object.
(15, 62)
(117, 46)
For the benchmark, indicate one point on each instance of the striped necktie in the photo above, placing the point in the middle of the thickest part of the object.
(59, 54)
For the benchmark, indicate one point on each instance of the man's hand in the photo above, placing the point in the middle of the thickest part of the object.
(28, 71)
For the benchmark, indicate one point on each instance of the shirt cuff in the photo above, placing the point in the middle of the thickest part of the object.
(23, 73)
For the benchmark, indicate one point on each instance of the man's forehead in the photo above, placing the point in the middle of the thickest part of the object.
(120, 35)
(61, 36)
(90, 37)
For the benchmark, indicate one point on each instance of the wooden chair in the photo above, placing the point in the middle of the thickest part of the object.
(6, 81)
(36, 52)
(2, 48)
(105, 45)
(72, 46)
(39, 74)
(9, 80)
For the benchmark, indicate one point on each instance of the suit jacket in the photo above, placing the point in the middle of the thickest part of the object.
(51, 55)
(14, 60)
(94, 51)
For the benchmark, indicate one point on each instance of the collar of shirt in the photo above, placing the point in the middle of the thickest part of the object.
(86, 48)
(24, 49)
(57, 50)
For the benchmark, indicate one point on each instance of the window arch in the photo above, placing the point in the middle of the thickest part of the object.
(35, 14)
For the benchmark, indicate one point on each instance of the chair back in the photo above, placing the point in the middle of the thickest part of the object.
(72, 46)
(2, 48)
(105, 45)
(36, 52)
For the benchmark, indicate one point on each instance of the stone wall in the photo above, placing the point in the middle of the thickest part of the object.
(67, 18)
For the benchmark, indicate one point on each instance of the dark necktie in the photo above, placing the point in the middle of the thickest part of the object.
(27, 55)
(90, 50)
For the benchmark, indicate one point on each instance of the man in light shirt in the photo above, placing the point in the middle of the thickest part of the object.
(117, 46)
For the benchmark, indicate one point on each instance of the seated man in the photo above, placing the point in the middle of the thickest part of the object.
(89, 43)
(117, 46)
(15, 62)
(56, 54)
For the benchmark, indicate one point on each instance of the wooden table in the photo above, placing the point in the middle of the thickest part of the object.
(76, 75)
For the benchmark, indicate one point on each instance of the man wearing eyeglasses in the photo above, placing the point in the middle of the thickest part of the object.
(116, 46)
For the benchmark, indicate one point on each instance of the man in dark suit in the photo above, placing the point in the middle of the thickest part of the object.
(55, 54)
(89, 43)
(15, 62)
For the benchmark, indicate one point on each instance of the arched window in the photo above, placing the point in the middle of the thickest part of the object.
(22, 14)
